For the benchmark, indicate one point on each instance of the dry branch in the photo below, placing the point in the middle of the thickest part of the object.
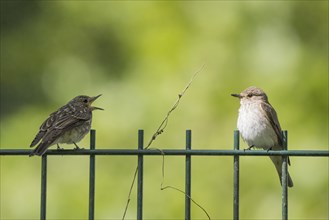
(159, 131)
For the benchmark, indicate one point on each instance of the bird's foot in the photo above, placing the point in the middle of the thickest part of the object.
(77, 147)
(249, 148)
(59, 148)
(269, 149)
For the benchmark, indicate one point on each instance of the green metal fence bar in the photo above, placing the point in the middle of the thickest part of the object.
(188, 176)
(188, 153)
(43, 200)
(92, 176)
(284, 178)
(140, 176)
(178, 152)
(236, 175)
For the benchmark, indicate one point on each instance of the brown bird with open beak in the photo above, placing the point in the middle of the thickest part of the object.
(69, 124)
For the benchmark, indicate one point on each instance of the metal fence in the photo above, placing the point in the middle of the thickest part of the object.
(188, 153)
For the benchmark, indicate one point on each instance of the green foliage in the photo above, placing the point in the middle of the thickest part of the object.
(140, 55)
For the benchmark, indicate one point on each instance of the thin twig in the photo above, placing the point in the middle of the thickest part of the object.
(130, 190)
(179, 190)
(164, 123)
(159, 131)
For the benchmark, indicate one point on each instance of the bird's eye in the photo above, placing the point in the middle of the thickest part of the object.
(249, 95)
(85, 101)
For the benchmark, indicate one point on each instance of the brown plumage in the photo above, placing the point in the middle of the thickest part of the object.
(69, 124)
(259, 125)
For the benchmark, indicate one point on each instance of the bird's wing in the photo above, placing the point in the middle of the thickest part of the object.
(57, 124)
(68, 120)
(46, 142)
(273, 119)
(55, 132)
(63, 119)
(44, 128)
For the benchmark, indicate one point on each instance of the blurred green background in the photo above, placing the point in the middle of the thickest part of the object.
(140, 55)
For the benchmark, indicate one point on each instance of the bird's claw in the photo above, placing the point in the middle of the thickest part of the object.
(249, 148)
(78, 148)
(59, 148)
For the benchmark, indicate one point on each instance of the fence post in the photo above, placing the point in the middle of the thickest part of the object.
(188, 176)
(92, 176)
(236, 184)
(43, 187)
(140, 176)
(284, 178)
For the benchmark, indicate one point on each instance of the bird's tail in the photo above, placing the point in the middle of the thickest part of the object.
(37, 138)
(39, 150)
(277, 160)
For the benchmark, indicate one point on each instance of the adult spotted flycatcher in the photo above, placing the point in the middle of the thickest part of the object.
(259, 125)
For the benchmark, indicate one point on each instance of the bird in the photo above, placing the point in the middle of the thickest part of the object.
(259, 125)
(69, 124)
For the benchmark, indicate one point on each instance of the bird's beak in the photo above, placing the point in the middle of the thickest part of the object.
(236, 95)
(96, 108)
(92, 99)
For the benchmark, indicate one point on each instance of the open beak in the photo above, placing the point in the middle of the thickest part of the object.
(92, 99)
(236, 95)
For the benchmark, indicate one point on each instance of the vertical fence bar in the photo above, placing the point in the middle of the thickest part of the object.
(140, 176)
(236, 174)
(188, 176)
(92, 176)
(284, 178)
(43, 187)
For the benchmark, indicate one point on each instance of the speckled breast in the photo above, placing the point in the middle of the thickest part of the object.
(76, 134)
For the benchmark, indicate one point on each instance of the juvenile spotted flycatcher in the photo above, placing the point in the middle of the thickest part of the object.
(69, 124)
(259, 125)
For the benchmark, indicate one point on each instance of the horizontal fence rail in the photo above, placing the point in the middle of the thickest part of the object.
(172, 152)
(188, 152)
